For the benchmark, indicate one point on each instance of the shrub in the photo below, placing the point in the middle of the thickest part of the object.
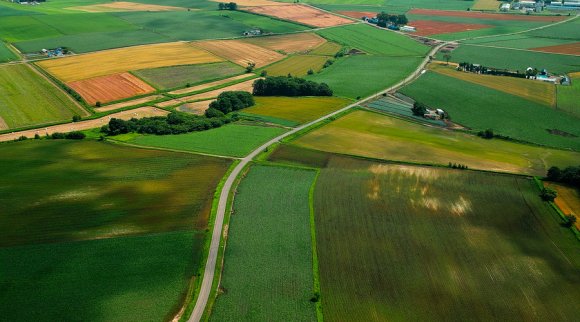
(228, 102)
(548, 194)
(290, 86)
(75, 135)
(570, 220)
(77, 118)
(419, 109)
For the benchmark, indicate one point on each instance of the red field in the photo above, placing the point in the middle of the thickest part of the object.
(572, 49)
(430, 27)
(481, 15)
(110, 88)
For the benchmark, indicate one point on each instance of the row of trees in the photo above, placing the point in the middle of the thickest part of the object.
(419, 109)
(228, 102)
(290, 86)
(173, 123)
(385, 19)
(569, 175)
(469, 67)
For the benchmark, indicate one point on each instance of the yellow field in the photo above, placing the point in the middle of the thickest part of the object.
(297, 65)
(122, 6)
(289, 44)
(536, 91)
(568, 200)
(240, 52)
(297, 109)
(326, 49)
(486, 5)
(121, 60)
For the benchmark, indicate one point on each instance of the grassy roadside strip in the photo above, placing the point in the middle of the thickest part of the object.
(189, 303)
(318, 125)
(540, 184)
(315, 271)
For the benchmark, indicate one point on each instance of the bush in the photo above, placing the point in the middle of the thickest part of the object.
(548, 194)
(487, 134)
(290, 86)
(57, 136)
(570, 221)
(75, 135)
(76, 118)
(419, 109)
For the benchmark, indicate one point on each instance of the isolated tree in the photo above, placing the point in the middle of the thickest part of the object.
(570, 220)
(419, 109)
(447, 58)
(264, 73)
(250, 67)
(310, 71)
(76, 118)
(233, 6)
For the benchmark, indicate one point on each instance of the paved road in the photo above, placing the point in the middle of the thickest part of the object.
(210, 266)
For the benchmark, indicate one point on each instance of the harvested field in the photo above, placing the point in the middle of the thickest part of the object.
(110, 88)
(134, 102)
(327, 49)
(294, 43)
(486, 5)
(254, 3)
(141, 112)
(122, 6)
(240, 52)
(74, 68)
(296, 109)
(481, 15)
(246, 86)
(432, 27)
(297, 65)
(535, 91)
(301, 14)
(570, 49)
(202, 87)
(358, 14)
(197, 108)
(568, 199)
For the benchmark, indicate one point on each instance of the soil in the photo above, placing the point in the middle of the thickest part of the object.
(431, 27)
(302, 14)
(481, 15)
(110, 88)
(571, 49)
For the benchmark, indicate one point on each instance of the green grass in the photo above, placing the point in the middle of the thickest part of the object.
(374, 41)
(297, 65)
(514, 59)
(26, 98)
(268, 273)
(568, 30)
(176, 76)
(408, 243)
(481, 108)
(363, 75)
(369, 134)
(568, 97)
(6, 54)
(94, 231)
(296, 109)
(230, 140)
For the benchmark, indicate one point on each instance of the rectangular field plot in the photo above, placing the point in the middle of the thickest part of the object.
(568, 97)
(105, 89)
(294, 43)
(6, 54)
(176, 76)
(268, 274)
(297, 66)
(74, 68)
(26, 98)
(240, 52)
(416, 244)
(301, 14)
(372, 135)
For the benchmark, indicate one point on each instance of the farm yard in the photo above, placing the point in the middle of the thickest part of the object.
(105, 89)
(27, 98)
(373, 135)
(302, 14)
(280, 247)
(107, 229)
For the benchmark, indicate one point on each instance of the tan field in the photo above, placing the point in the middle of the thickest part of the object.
(541, 92)
(486, 5)
(110, 88)
(568, 200)
(295, 43)
(122, 6)
(302, 14)
(134, 102)
(201, 87)
(197, 108)
(240, 52)
(254, 3)
(141, 112)
(246, 86)
(75, 68)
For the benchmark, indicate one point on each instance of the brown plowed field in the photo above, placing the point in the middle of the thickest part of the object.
(110, 88)
(302, 14)
(481, 15)
(431, 27)
(289, 43)
(572, 49)
(358, 14)
(240, 52)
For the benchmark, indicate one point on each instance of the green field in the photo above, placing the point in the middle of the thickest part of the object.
(26, 98)
(363, 75)
(268, 273)
(92, 231)
(481, 108)
(297, 65)
(369, 134)
(514, 59)
(176, 76)
(406, 243)
(230, 140)
(519, 41)
(568, 97)
(6, 54)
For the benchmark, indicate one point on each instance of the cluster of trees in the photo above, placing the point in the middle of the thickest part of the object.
(419, 109)
(74, 135)
(228, 102)
(458, 166)
(469, 67)
(548, 194)
(227, 6)
(570, 175)
(290, 86)
(385, 19)
(487, 134)
(173, 123)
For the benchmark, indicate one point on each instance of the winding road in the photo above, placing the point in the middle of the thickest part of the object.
(210, 266)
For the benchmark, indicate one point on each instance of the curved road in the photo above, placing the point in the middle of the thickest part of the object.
(210, 265)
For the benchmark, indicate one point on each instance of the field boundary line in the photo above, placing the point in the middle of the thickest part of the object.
(147, 147)
(315, 266)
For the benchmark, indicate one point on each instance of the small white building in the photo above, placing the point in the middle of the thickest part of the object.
(408, 28)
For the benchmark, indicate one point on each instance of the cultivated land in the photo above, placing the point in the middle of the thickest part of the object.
(572, 49)
(124, 6)
(234, 140)
(107, 229)
(491, 5)
(568, 199)
(326, 49)
(491, 16)
(535, 91)
(295, 43)
(297, 65)
(245, 86)
(430, 27)
(27, 98)
(206, 86)
(240, 52)
(369, 134)
(279, 246)
(123, 104)
(482, 108)
(301, 14)
(6, 54)
(295, 109)
(177, 76)
(105, 89)
(568, 97)
(108, 62)
(439, 245)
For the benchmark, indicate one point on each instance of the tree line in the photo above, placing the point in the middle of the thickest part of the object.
(227, 6)
(290, 86)
(228, 102)
(569, 175)
(385, 19)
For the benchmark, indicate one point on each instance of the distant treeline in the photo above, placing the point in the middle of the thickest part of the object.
(290, 86)
(570, 175)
